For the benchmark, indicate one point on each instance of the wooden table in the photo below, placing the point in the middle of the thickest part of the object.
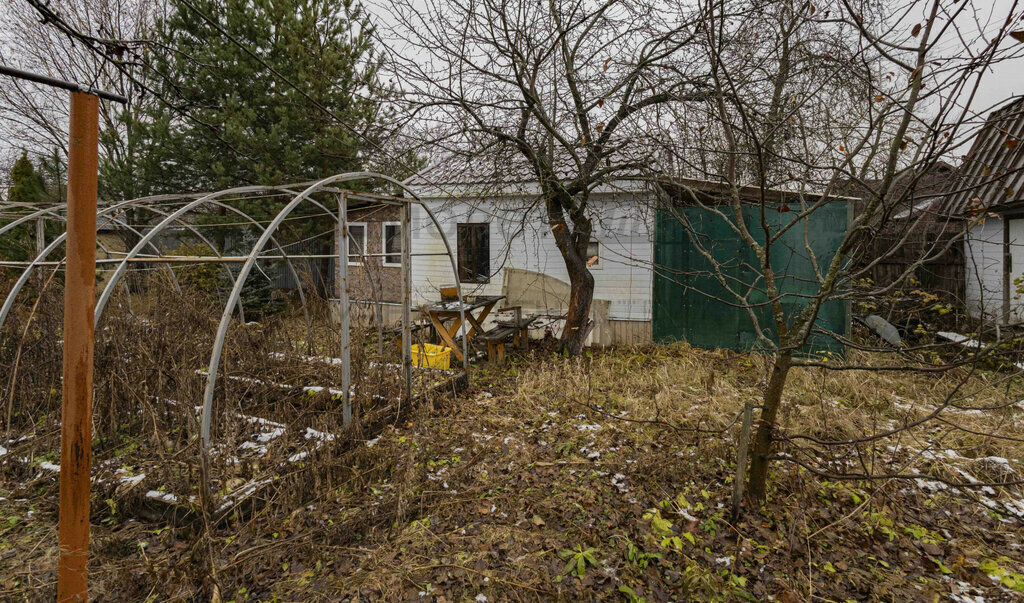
(475, 311)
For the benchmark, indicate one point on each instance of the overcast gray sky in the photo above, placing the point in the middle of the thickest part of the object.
(1005, 79)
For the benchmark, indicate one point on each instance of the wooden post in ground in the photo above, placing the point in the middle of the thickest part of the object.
(343, 311)
(79, 305)
(741, 459)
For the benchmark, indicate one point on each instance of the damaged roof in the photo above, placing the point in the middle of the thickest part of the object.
(992, 174)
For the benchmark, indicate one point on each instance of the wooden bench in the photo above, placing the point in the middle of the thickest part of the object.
(496, 339)
(514, 330)
(519, 325)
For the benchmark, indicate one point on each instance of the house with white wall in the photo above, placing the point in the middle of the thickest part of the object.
(650, 281)
(504, 247)
(649, 255)
(989, 194)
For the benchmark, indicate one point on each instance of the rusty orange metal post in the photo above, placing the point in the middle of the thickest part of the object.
(79, 304)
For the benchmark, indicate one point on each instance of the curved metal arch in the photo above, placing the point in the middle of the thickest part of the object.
(57, 216)
(198, 235)
(302, 297)
(254, 222)
(27, 272)
(222, 329)
(50, 210)
(208, 198)
(280, 248)
(27, 217)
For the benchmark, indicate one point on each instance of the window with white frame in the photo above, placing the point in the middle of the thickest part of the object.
(392, 243)
(356, 243)
(594, 254)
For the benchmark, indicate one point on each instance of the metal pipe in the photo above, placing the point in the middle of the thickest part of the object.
(39, 261)
(66, 85)
(222, 329)
(458, 285)
(211, 199)
(171, 259)
(236, 291)
(225, 321)
(76, 408)
(407, 300)
(343, 311)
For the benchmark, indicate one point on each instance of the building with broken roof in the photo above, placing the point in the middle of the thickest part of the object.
(989, 193)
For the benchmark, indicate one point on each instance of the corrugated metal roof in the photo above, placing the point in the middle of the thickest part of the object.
(992, 174)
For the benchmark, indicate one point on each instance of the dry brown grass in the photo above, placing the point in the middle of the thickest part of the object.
(479, 493)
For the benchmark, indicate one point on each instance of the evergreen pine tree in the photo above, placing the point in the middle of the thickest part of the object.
(29, 189)
(27, 185)
(229, 121)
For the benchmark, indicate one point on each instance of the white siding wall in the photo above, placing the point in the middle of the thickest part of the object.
(983, 269)
(519, 238)
(1016, 226)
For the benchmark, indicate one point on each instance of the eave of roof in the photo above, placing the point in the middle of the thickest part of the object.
(992, 174)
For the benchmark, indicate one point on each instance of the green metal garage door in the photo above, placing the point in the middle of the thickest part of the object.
(692, 304)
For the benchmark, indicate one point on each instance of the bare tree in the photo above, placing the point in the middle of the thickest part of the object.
(807, 101)
(35, 117)
(561, 88)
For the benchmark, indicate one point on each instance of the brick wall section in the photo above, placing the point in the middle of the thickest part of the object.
(373, 277)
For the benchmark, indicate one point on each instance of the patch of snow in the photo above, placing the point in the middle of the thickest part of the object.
(258, 420)
(312, 434)
(998, 460)
(306, 389)
(259, 448)
(49, 466)
(273, 434)
(166, 497)
(131, 480)
(320, 359)
(243, 492)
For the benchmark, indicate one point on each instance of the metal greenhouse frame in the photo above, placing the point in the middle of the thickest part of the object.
(299, 194)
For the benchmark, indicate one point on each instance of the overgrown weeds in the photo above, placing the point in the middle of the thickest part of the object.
(605, 476)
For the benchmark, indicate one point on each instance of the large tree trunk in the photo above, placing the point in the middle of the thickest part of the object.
(581, 294)
(766, 426)
(572, 243)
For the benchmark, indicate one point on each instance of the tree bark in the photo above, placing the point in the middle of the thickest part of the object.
(766, 426)
(573, 243)
(581, 294)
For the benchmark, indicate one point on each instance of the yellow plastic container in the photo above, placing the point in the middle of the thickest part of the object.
(428, 355)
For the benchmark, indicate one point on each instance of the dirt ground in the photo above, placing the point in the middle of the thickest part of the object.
(604, 477)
